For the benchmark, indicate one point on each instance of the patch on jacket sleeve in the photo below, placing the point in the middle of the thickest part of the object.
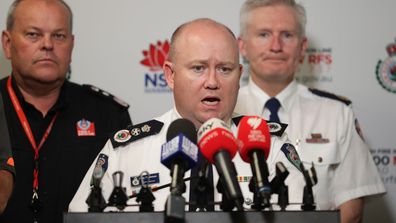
(276, 128)
(136, 132)
(330, 95)
(105, 94)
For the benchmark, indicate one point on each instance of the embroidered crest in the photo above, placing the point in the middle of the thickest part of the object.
(85, 128)
(122, 136)
(276, 128)
(292, 155)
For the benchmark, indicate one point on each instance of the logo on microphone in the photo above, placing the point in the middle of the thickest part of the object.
(154, 58)
(254, 122)
(386, 70)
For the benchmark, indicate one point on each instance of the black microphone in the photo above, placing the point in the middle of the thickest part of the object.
(278, 185)
(310, 180)
(179, 154)
(118, 197)
(95, 200)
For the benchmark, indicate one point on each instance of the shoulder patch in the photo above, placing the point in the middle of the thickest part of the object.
(330, 95)
(136, 132)
(237, 119)
(105, 94)
(276, 128)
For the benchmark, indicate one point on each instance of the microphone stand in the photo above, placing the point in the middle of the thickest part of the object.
(145, 195)
(203, 189)
(226, 203)
(310, 180)
(175, 203)
(118, 196)
(279, 187)
(95, 200)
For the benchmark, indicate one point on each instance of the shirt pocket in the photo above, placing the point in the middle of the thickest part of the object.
(320, 154)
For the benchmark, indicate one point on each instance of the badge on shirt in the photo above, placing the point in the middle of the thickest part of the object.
(150, 180)
(317, 138)
(85, 128)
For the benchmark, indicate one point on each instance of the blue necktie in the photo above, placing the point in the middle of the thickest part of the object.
(273, 106)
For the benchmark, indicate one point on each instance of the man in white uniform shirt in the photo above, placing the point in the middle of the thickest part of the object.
(203, 71)
(322, 126)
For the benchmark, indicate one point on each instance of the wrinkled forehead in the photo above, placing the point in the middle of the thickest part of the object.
(51, 11)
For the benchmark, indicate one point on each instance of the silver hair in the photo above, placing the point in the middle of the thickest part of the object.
(14, 5)
(249, 5)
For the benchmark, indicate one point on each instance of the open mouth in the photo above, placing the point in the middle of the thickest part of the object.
(211, 100)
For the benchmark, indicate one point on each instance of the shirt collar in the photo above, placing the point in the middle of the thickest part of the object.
(176, 115)
(286, 97)
(59, 104)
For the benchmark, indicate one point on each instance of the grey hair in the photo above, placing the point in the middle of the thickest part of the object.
(249, 5)
(178, 31)
(14, 5)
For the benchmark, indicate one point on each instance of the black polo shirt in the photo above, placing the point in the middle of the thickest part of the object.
(66, 154)
(6, 159)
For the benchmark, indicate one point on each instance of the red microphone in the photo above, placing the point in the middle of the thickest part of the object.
(255, 140)
(218, 145)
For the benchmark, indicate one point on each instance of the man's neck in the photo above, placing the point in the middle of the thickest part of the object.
(271, 88)
(41, 96)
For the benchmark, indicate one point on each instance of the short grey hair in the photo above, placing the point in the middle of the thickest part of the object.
(250, 5)
(14, 5)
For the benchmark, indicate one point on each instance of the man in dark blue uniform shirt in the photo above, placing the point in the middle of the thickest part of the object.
(56, 127)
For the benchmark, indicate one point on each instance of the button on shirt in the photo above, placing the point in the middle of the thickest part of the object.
(323, 131)
(145, 154)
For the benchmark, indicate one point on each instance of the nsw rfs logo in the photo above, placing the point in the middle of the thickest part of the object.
(386, 70)
(154, 58)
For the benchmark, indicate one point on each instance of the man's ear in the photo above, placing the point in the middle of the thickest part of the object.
(6, 43)
(241, 45)
(304, 46)
(169, 74)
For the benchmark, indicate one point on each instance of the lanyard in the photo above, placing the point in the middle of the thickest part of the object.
(29, 133)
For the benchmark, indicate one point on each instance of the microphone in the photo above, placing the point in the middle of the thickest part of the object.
(218, 145)
(95, 200)
(278, 185)
(255, 139)
(118, 196)
(310, 180)
(179, 154)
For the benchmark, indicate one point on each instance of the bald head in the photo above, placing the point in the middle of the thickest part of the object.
(194, 27)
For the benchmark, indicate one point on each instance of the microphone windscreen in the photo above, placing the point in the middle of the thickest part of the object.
(182, 126)
(253, 133)
(213, 136)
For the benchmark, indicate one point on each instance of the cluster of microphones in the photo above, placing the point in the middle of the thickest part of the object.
(216, 143)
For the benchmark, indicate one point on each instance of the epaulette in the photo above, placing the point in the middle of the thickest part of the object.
(330, 95)
(136, 132)
(237, 119)
(276, 128)
(105, 94)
